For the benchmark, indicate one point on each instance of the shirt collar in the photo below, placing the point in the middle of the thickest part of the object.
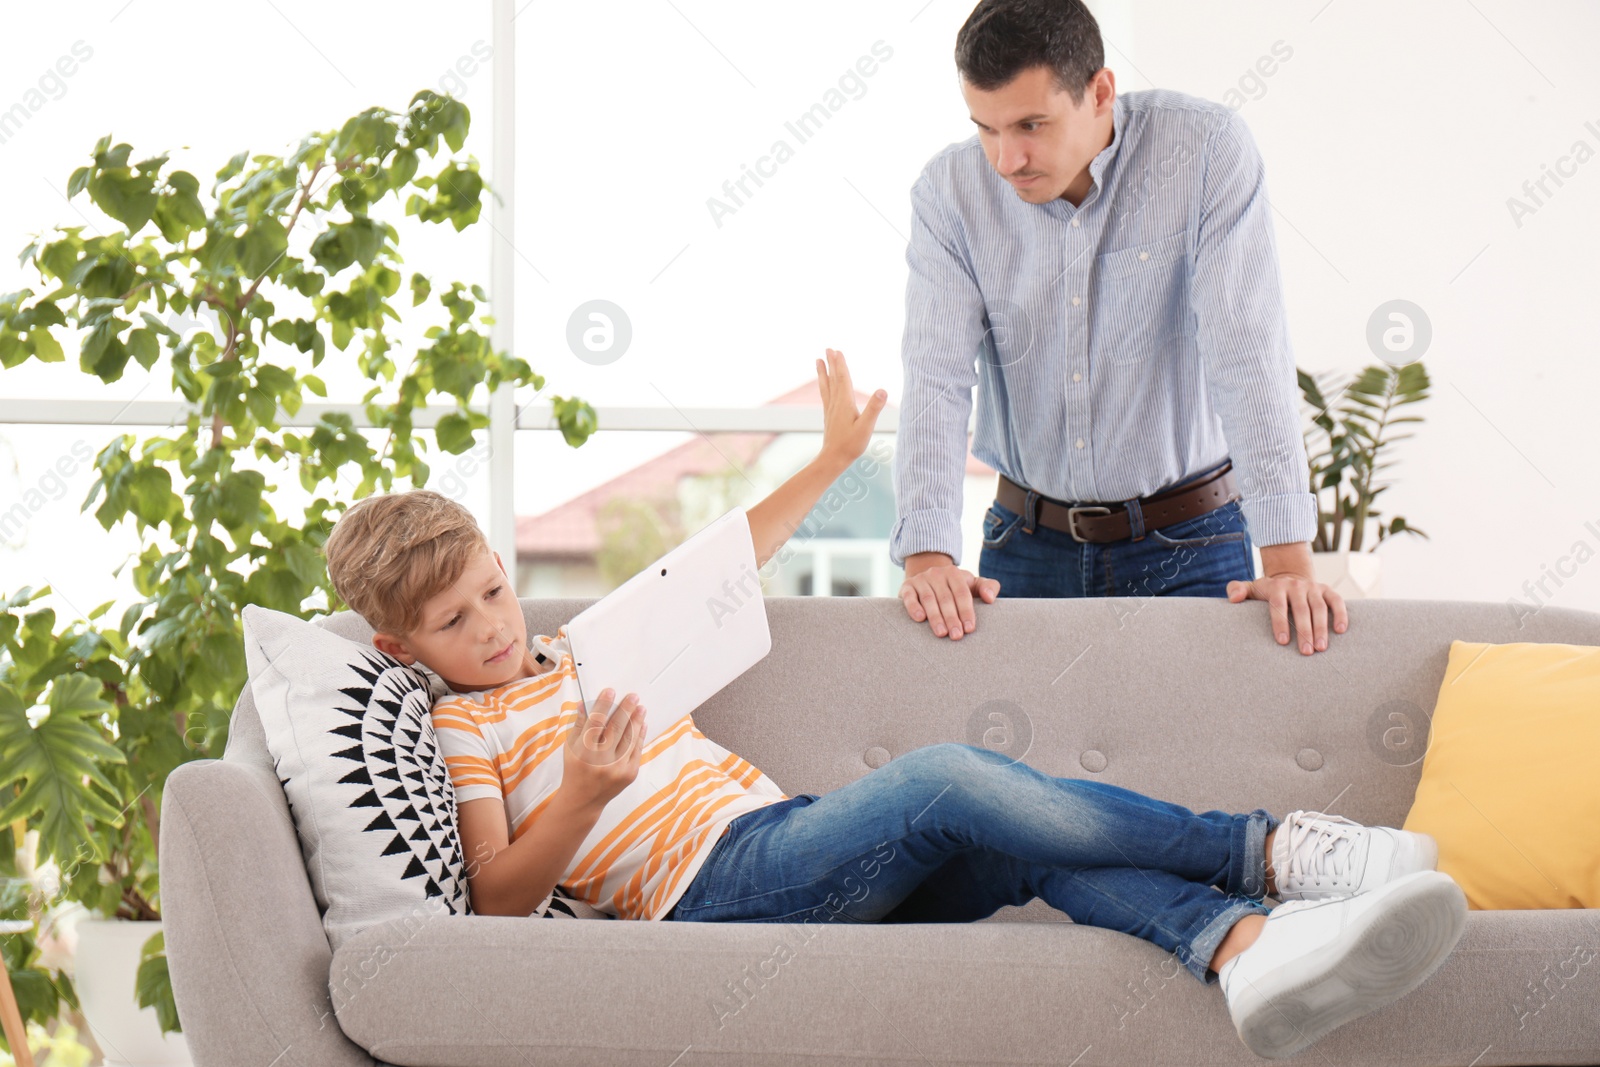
(1119, 110)
(1098, 165)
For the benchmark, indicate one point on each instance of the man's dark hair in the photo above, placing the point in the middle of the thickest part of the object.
(1002, 38)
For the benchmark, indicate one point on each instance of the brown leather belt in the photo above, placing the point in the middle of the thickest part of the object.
(1109, 522)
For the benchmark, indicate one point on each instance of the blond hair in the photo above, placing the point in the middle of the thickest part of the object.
(390, 553)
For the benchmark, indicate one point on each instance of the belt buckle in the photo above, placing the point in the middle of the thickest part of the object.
(1072, 519)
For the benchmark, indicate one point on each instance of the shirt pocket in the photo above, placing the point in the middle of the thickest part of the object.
(1141, 301)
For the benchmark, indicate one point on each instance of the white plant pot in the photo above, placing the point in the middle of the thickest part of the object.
(1353, 575)
(105, 966)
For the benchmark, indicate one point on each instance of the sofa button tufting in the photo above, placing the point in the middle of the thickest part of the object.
(876, 756)
(1309, 759)
(1093, 761)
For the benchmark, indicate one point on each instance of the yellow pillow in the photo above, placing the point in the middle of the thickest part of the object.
(1511, 778)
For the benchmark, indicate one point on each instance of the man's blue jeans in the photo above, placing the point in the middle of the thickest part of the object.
(1194, 557)
(953, 832)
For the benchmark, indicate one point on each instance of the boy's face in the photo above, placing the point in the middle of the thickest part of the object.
(472, 634)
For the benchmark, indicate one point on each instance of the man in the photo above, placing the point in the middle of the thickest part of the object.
(1110, 259)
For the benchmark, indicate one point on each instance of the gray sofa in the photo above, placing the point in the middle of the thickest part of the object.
(1188, 699)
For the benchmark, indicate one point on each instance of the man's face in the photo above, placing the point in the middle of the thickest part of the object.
(1036, 138)
(464, 628)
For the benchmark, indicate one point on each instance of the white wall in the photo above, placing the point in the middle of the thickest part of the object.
(1394, 137)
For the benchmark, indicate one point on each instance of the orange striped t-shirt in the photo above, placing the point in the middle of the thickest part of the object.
(651, 837)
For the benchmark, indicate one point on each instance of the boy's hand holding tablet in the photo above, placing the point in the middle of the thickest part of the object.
(601, 754)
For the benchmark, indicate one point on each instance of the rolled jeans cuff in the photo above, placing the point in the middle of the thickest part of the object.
(1204, 944)
(1249, 878)
(1247, 884)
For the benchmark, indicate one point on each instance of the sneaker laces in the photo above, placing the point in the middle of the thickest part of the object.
(1319, 851)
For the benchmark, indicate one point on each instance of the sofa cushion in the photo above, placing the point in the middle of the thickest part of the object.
(504, 992)
(1508, 786)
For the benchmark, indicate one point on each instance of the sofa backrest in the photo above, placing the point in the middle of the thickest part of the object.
(1187, 699)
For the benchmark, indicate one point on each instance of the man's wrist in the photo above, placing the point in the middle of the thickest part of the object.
(1292, 557)
(918, 562)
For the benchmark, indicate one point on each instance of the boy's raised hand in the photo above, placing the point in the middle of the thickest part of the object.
(601, 754)
(846, 429)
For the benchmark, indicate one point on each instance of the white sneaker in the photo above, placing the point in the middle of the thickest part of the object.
(1317, 856)
(1319, 964)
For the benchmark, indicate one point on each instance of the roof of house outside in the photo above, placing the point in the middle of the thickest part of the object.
(571, 529)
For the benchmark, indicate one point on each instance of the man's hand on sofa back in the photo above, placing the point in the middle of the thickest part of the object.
(937, 590)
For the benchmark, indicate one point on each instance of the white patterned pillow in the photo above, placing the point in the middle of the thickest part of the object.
(352, 739)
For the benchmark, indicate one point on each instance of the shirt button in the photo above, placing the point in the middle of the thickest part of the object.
(1080, 442)
(1076, 301)
(1074, 222)
(1144, 255)
(1076, 376)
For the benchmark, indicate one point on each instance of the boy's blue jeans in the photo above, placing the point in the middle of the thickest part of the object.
(1194, 557)
(952, 832)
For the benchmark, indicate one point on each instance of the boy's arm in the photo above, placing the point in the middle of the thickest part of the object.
(507, 877)
(775, 519)
(845, 432)
(600, 757)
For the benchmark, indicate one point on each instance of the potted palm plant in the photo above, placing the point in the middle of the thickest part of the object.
(1349, 441)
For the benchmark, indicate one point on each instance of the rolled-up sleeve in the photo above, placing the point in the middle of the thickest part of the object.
(939, 351)
(1243, 339)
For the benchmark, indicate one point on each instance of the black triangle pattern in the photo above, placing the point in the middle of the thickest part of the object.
(386, 732)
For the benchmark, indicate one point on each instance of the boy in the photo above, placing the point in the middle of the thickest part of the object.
(683, 829)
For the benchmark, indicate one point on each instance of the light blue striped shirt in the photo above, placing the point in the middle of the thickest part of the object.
(1118, 347)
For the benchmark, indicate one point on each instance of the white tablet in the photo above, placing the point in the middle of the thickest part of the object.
(679, 630)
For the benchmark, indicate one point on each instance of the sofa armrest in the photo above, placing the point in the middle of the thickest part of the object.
(245, 945)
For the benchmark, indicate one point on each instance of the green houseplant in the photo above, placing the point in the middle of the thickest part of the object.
(1349, 441)
(290, 260)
